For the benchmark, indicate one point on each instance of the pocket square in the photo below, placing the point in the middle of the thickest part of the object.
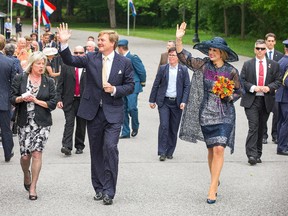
(120, 72)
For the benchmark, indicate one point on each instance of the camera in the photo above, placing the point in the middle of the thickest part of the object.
(51, 37)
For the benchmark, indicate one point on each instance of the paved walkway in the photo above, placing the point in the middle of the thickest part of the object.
(147, 187)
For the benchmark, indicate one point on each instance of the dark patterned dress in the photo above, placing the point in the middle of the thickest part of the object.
(207, 117)
(32, 137)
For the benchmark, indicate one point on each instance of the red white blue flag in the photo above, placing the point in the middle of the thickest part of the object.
(23, 2)
(46, 8)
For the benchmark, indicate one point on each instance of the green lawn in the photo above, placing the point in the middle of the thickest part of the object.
(241, 47)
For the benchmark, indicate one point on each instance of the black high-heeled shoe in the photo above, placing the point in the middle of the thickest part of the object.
(32, 197)
(27, 186)
(210, 201)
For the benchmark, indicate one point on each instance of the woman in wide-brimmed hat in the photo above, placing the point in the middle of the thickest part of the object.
(51, 52)
(208, 116)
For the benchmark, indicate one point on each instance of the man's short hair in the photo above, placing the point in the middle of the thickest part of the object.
(270, 35)
(259, 41)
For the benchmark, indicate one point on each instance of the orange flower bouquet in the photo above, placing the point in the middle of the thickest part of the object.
(223, 87)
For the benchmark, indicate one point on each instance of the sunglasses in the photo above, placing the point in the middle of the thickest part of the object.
(76, 53)
(260, 48)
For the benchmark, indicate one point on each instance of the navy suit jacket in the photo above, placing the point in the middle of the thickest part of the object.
(121, 76)
(66, 86)
(160, 85)
(7, 73)
(282, 92)
(276, 56)
(249, 78)
(139, 72)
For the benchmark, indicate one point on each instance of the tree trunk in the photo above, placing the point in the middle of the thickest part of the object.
(69, 5)
(112, 15)
(226, 30)
(242, 20)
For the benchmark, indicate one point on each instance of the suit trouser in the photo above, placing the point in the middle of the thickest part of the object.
(274, 124)
(257, 117)
(103, 140)
(130, 109)
(170, 116)
(70, 117)
(6, 133)
(283, 127)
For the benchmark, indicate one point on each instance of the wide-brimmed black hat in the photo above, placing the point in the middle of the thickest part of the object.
(219, 43)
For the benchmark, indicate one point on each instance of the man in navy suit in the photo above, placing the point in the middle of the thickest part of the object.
(273, 54)
(7, 73)
(69, 91)
(261, 78)
(281, 98)
(130, 101)
(170, 92)
(109, 78)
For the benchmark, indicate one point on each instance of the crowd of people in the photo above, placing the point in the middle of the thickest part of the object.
(98, 88)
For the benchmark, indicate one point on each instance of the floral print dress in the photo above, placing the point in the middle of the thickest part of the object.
(32, 137)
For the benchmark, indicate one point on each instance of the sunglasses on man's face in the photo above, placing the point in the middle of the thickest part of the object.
(260, 48)
(76, 53)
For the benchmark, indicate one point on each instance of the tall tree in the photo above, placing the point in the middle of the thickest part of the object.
(112, 15)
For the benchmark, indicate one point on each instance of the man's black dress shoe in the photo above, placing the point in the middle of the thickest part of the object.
(9, 158)
(258, 160)
(124, 137)
(162, 157)
(275, 141)
(282, 153)
(65, 151)
(252, 161)
(264, 141)
(170, 157)
(79, 151)
(134, 133)
(107, 200)
(98, 196)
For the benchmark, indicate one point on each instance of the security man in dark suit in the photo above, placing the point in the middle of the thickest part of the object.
(170, 92)
(273, 54)
(7, 73)
(261, 78)
(109, 78)
(69, 91)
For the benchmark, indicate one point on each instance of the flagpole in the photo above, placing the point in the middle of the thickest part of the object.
(33, 27)
(127, 17)
(11, 4)
(39, 15)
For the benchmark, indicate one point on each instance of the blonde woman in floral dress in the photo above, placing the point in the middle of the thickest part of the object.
(34, 95)
(207, 117)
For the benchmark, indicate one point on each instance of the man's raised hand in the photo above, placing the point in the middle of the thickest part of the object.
(63, 33)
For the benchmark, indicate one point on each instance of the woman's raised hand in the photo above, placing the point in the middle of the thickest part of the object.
(63, 33)
(181, 31)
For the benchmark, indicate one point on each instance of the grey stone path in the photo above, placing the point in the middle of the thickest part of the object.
(145, 185)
